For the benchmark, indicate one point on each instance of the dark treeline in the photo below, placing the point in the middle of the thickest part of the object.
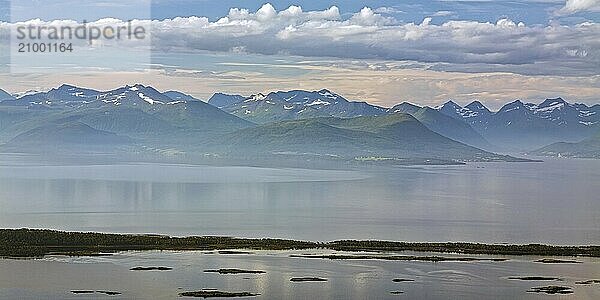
(32, 243)
(467, 248)
(37, 243)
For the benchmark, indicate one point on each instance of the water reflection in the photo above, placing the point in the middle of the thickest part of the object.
(551, 202)
(363, 279)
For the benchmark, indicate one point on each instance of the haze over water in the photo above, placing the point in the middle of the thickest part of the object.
(553, 202)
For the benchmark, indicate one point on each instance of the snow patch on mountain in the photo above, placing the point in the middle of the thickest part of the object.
(148, 99)
(318, 102)
(552, 107)
(257, 97)
(586, 113)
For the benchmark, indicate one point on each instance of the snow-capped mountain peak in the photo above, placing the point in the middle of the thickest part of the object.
(69, 95)
(456, 111)
(26, 93)
(449, 105)
(294, 104)
(65, 87)
(478, 107)
(550, 105)
(326, 93)
(512, 106)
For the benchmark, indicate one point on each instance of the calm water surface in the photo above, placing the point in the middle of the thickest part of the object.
(554, 202)
(363, 279)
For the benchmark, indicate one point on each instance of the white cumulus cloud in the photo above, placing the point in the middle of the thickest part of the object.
(574, 6)
(467, 45)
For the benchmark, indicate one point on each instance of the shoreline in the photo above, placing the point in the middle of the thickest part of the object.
(297, 161)
(35, 243)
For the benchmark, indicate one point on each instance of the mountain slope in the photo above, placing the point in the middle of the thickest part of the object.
(124, 120)
(132, 109)
(519, 125)
(10, 116)
(307, 136)
(297, 104)
(221, 100)
(393, 136)
(66, 136)
(447, 126)
(177, 109)
(5, 96)
(301, 122)
(149, 118)
(179, 96)
(589, 148)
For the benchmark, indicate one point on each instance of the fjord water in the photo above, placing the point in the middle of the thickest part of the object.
(553, 202)
(358, 279)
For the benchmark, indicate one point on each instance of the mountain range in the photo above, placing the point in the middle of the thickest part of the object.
(293, 105)
(391, 136)
(517, 126)
(319, 124)
(138, 111)
(445, 125)
(588, 148)
(526, 126)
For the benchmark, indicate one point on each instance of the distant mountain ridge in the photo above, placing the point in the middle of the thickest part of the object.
(588, 148)
(445, 125)
(393, 137)
(68, 133)
(5, 96)
(293, 105)
(138, 118)
(516, 126)
(136, 111)
(296, 105)
(519, 125)
(294, 122)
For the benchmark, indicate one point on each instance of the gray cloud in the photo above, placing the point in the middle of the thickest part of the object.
(512, 46)
(467, 46)
(174, 72)
(575, 6)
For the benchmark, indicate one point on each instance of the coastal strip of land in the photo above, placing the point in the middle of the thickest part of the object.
(30, 243)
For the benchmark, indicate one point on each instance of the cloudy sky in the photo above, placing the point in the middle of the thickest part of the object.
(384, 52)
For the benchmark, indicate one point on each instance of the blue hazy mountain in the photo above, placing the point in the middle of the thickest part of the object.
(221, 100)
(293, 105)
(447, 126)
(516, 126)
(67, 134)
(519, 125)
(5, 96)
(294, 122)
(296, 105)
(588, 148)
(395, 136)
(137, 111)
(175, 108)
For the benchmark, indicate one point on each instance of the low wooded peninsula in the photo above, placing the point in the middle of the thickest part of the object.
(28, 243)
